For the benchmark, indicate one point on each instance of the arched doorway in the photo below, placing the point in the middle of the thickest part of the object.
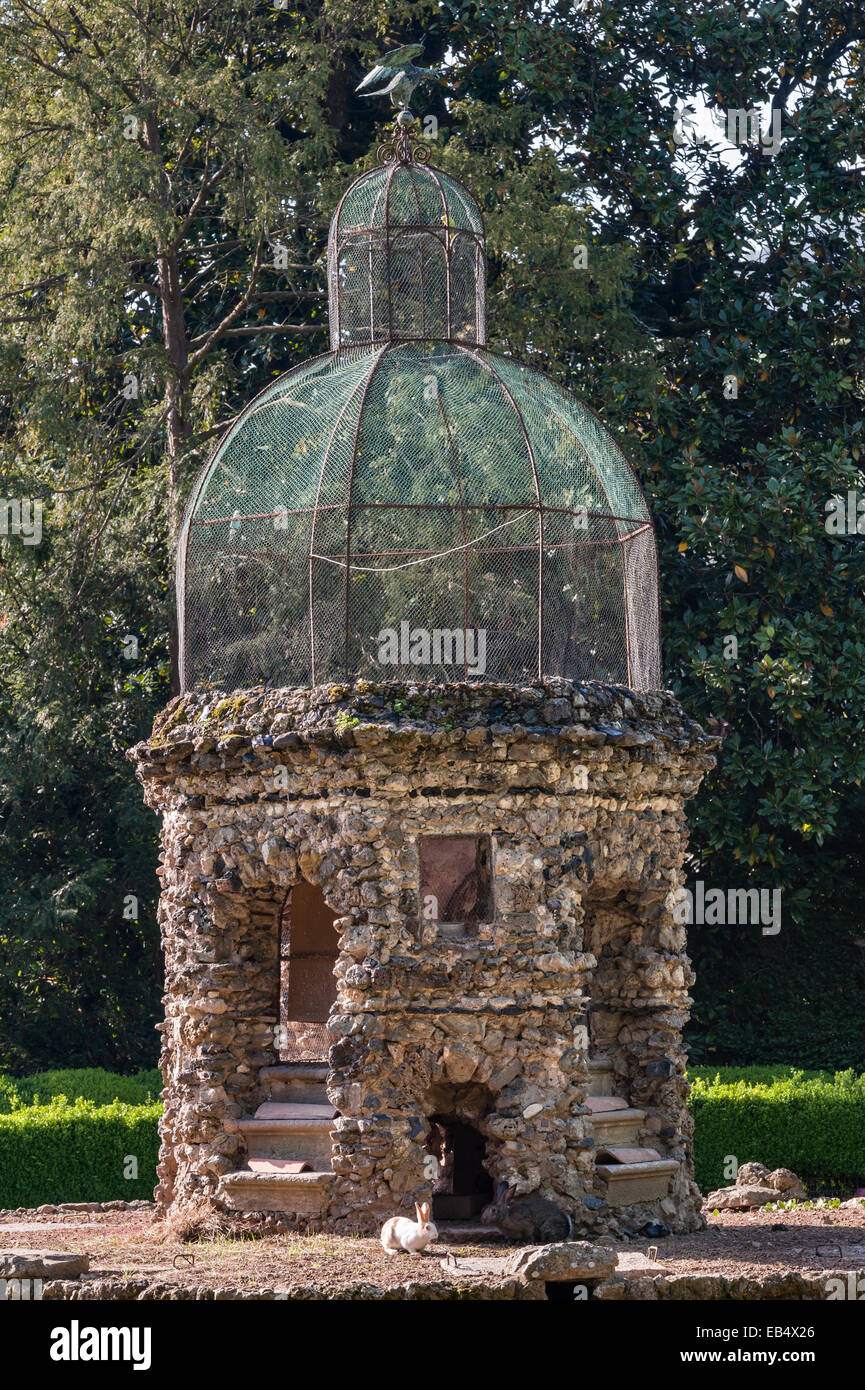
(461, 1182)
(308, 948)
(462, 1186)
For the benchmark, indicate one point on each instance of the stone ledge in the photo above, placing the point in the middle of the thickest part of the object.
(143, 1290)
(42, 1264)
(248, 724)
(293, 1194)
(785, 1285)
(636, 1182)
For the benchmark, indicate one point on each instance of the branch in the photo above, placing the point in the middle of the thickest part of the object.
(207, 340)
(274, 328)
(289, 294)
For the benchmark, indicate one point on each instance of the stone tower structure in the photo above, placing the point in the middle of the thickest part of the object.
(422, 800)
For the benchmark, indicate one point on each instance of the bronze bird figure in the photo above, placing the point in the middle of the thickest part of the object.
(399, 74)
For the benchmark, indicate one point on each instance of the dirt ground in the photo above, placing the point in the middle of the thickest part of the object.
(124, 1245)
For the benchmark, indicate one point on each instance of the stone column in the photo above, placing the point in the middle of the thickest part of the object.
(220, 941)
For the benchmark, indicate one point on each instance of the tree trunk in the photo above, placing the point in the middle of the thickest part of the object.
(177, 381)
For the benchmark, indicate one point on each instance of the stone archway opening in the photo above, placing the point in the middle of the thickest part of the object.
(462, 1185)
(308, 950)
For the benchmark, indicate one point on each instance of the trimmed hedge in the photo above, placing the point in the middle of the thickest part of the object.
(725, 1076)
(77, 1152)
(91, 1083)
(812, 1124)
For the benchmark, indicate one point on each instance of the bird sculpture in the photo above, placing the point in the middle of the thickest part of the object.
(399, 74)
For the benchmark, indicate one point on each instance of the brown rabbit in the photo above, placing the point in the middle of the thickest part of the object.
(535, 1220)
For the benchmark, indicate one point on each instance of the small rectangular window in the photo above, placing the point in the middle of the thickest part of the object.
(456, 883)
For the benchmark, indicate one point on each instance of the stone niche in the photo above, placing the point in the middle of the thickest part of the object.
(496, 864)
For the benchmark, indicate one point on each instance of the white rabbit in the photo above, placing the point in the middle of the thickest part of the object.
(399, 1233)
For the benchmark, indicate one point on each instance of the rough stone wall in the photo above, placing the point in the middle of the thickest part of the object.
(582, 788)
(640, 1006)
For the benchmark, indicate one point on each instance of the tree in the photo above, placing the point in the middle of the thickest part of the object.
(167, 172)
(146, 156)
(166, 175)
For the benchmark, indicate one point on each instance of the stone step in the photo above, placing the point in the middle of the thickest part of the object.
(290, 1130)
(295, 1110)
(300, 1081)
(599, 1104)
(636, 1182)
(296, 1194)
(621, 1126)
(627, 1154)
(600, 1076)
(278, 1165)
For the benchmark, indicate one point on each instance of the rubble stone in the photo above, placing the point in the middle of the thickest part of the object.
(585, 811)
(42, 1264)
(564, 1261)
(740, 1198)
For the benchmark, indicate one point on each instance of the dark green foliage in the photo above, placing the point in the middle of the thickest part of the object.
(815, 1126)
(756, 999)
(130, 255)
(80, 973)
(77, 1152)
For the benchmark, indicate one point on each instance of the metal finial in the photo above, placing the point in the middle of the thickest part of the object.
(403, 147)
(398, 72)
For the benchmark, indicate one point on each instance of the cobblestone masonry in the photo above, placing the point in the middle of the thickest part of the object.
(581, 787)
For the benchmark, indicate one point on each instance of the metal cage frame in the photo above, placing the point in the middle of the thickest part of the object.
(387, 233)
(488, 432)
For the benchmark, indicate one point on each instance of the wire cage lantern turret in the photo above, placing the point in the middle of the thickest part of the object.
(406, 259)
(411, 505)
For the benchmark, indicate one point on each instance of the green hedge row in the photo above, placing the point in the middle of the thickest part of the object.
(78, 1152)
(725, 1076)
(92, 1083)
(812, 1124)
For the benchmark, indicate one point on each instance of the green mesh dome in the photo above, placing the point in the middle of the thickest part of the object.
(416, 510)
(406, 195)
(406, 260)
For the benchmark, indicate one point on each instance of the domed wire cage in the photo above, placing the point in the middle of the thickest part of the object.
(406, 259)
(410, 505)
